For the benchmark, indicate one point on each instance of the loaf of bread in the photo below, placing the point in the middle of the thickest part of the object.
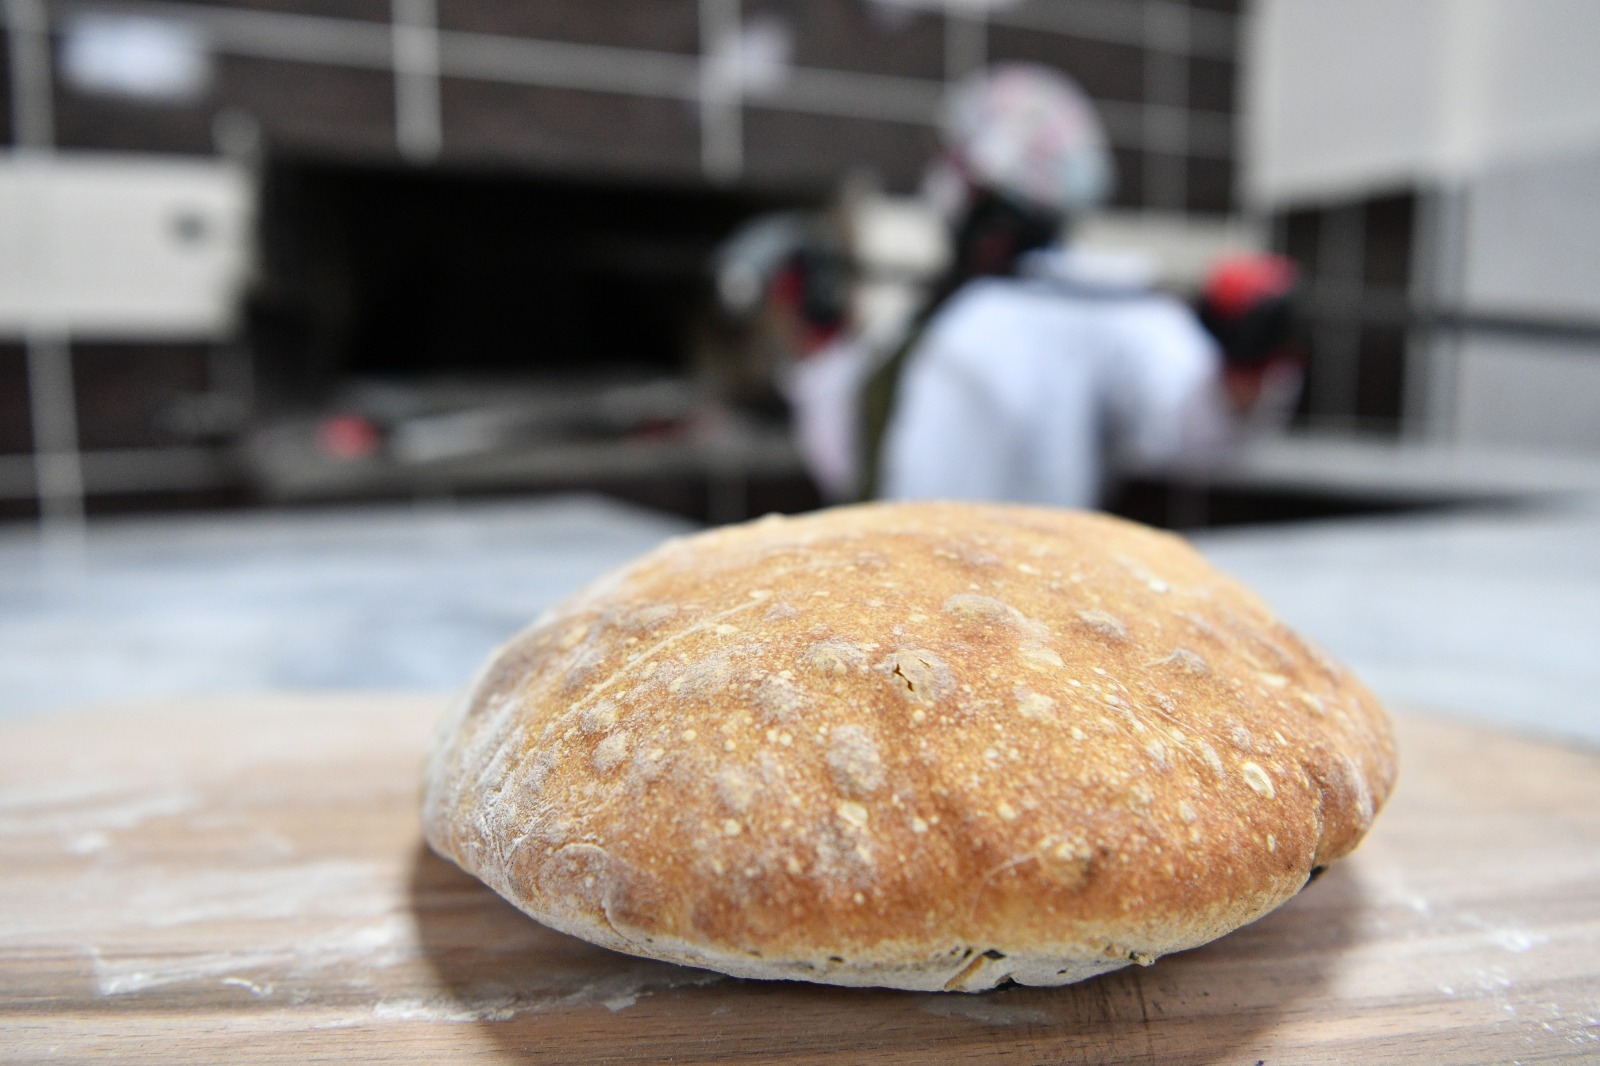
(925, 746)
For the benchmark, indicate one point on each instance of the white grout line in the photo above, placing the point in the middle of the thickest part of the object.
(1166, 115)
(32, 111)
(563, 65)
(1430, 398)
(57, 465)
(52, 403)
(850, 95)
(1165, 128)
(966, 41)
(259, 34)
(419, 130)
(719, 87)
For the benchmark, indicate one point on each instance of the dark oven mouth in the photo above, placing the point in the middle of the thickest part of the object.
(434, 316)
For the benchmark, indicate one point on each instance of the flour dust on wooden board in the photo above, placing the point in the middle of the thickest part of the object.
(245, 881)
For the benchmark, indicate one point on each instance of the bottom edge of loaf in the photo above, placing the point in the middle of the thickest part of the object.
(972, 969)
(953, 967)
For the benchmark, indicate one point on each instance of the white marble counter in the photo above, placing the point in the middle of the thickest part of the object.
(1493, 613)
(1490, 613)
(394, 597)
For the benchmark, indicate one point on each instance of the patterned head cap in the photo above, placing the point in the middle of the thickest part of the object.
(1030, 133)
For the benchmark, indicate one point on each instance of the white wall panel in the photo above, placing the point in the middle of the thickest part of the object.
(1533, 239)
(1534, 393)
(121, 247)
(1342, 98)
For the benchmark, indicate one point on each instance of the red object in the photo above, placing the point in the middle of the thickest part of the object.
(788, 289)
(347, 436)
(788, 293)
(1241, 282)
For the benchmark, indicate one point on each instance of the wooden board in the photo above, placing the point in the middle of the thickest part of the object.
(243, 881)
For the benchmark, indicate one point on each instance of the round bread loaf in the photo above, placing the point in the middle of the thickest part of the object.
(927, 746)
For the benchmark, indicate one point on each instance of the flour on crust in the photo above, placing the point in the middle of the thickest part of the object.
(924, 746)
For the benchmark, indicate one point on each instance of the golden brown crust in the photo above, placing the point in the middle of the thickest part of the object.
(922, 745)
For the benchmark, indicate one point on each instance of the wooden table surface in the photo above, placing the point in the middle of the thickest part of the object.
(243, 881)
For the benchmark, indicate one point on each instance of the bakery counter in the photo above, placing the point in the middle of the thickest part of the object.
(221, 859)
(397, 597)
(1486, 611)
(253, 888)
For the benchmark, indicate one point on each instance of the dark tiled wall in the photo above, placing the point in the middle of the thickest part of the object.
(16, 428)
(1298, 235)
(1212, 85)
(1106, 70)
(569, 130)
(301, 106)
(516, 112)
(96, 122)
(6, 136)
(1210, 185)
(658, 25)
(1129, 190)
(1380, 376)
(1356, 260)
(850, 35)
(323, 108)
(789, 148)
(333, 98)
(368, 10)
(125, 390)
(1386, 242)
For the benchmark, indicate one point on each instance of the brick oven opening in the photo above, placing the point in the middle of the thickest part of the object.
(424, 330)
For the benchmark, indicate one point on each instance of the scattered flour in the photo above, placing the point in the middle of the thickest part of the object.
(984, 1009)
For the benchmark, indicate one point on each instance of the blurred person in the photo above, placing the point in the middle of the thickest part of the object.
(789, 276)
(1039, 368)
(1248, 303)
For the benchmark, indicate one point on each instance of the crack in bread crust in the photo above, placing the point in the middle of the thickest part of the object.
(916, 745)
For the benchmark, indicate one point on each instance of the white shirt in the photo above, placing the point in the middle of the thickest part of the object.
(1031, 388)
(824, 393)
